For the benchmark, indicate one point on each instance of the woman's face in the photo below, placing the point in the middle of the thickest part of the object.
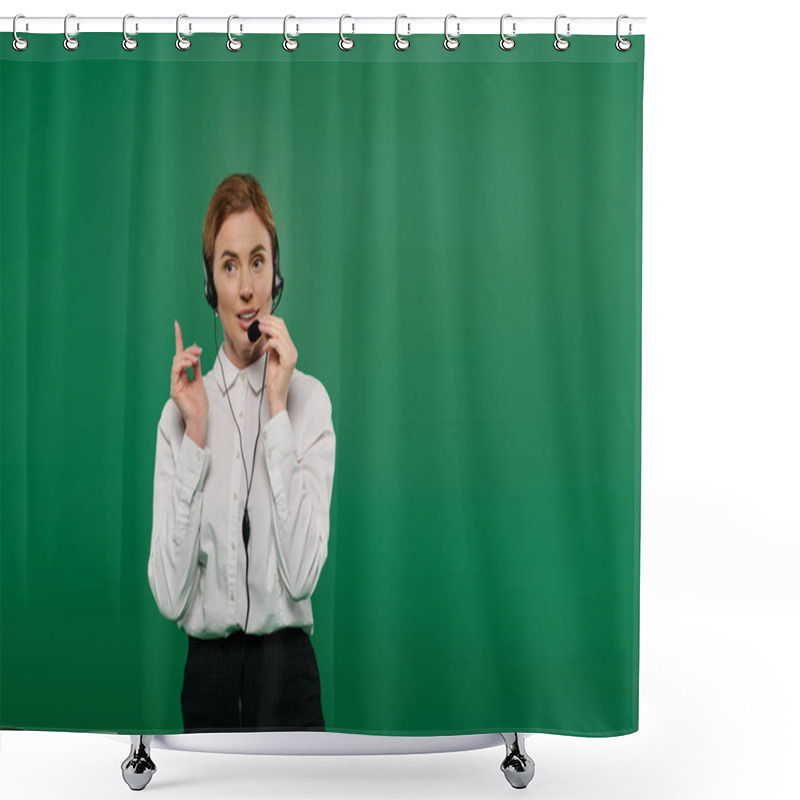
(243, 280)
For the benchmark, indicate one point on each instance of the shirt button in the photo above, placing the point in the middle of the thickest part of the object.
(237, 455)
(233, 545)
(272, 453)
(240, 415)
(235, 496)
(233, 596)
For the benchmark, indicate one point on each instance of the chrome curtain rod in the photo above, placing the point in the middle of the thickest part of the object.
(346, 24)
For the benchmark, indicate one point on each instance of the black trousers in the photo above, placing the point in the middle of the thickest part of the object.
(279, 683)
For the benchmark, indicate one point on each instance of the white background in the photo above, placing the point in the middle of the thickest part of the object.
(719, 696)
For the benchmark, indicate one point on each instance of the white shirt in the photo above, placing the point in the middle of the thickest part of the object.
(197, 560)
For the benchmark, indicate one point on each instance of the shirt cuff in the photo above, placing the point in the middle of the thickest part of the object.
(192, 464)
(278, 437)
(278, 446)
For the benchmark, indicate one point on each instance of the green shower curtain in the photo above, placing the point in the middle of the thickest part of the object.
(460, 238)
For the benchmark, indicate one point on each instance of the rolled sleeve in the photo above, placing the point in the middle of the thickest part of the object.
(180, 470)
(191, 468)
(302, 485)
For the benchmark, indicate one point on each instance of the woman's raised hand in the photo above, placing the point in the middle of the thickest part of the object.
(189, 396)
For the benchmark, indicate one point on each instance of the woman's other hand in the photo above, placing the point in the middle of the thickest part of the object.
(189, 396)
(281, 361)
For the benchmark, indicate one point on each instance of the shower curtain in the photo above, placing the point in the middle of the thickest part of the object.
(460, 238)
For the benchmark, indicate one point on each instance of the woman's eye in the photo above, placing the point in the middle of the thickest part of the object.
(259, 261)
(229, 264)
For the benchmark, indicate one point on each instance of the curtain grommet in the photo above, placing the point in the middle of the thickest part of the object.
(560, 42)
(182, 43)
(128, 42)
(70, 42)
(400, 42)
(506, 42)
(290, 44)
(233, 44)
(622, 44)
(19, 44)
(451, 42)
(345, 42)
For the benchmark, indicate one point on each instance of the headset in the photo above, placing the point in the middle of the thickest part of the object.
(211, 296)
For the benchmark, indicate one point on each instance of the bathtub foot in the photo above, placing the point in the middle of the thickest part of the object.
(138, 767)
(517, 766)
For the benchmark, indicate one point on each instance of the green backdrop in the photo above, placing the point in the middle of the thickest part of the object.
(461, 243)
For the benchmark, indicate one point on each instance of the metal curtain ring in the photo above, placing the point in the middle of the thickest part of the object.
(345, 43)
(288, 42)
(128, 42)
(400, 42)
(451, 42)
(623, 44)
(18, 43)
(182, 43)
(234, 44)
(70, 43)
(506, 42)
(561, 43)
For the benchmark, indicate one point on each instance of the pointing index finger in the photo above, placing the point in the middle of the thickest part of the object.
(178, 338)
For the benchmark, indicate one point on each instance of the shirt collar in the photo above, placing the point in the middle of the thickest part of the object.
(254, 372)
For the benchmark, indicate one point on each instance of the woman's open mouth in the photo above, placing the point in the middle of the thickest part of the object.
(246, 320)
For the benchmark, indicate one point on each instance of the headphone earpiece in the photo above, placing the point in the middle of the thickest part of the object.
(277, 278)
(210, 290)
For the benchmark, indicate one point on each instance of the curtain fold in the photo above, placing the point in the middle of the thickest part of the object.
(460, 237)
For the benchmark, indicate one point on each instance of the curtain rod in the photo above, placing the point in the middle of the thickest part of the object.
(512, 26)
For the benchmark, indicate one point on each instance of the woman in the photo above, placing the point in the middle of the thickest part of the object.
(241, 503)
